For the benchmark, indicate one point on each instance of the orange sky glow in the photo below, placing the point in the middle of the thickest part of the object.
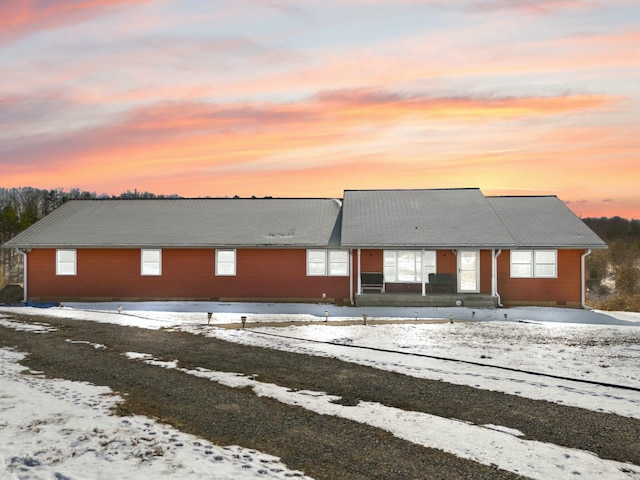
(307, 99)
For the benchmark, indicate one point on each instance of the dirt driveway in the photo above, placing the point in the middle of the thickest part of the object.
(324, 447)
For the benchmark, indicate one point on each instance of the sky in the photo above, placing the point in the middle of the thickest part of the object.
(311, 98)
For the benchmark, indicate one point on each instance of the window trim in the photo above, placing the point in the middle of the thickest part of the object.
(144, 264)
(534, 263)
(234, 263)
(61, 263)
(326, 267)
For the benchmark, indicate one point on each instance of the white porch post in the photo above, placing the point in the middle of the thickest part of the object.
(424, 288)
(359, 279)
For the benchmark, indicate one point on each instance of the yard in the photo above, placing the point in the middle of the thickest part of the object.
(540, 393)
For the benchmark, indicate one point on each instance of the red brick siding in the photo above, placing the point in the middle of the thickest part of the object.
(186, 274)
(485, 271)
(564, 290)
(371, 260)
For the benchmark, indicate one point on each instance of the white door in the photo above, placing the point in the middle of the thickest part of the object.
(468, 271)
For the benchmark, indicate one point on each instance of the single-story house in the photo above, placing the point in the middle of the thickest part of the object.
(372, 247)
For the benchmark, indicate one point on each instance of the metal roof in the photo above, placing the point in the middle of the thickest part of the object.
(187, 223)
(543, 221)
(421, 218)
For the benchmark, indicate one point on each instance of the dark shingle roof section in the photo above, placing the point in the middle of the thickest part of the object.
(445, 218)
(544, 222)
(187, 223)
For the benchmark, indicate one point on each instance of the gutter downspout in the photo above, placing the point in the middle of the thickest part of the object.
(494, 276)
(583, 276)
(23, 252)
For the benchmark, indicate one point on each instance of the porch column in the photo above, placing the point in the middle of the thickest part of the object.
(358, 273)
(424, 288)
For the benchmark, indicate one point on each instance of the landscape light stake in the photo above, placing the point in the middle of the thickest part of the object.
(120, 309)
(243, 319)
(505, 316)
(326, 315)
(415, 314)
(209, 317)
(364, 318)
(451, 318)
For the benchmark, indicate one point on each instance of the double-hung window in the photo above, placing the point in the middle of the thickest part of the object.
(151, 262)
(334, 263)
(408, 266)
(226, 263)
(66, 263)
(534, 263)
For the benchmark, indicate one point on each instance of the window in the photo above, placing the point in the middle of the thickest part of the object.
(405, 265)
(151, 262)
(327, 262)
(65, 262)
(338, 263)
(545, 262)
(534, 264)
(226, 262)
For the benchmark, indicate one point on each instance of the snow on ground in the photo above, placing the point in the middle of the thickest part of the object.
(57, 429)
(590, 346)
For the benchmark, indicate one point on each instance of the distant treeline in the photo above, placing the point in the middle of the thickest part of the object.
(615, 228)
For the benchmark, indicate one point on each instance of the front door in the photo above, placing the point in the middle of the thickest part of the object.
(468, 271)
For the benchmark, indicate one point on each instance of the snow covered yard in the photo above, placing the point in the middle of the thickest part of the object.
(59, 429)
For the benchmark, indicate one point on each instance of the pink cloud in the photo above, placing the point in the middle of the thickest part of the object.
(20, 17)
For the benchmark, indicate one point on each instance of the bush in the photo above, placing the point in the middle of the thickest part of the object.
(628, 280)
(620, 303)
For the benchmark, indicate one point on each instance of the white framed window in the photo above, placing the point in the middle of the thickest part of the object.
(338, 263)
(522, 263)
(534, 263)
(321, 263)
(406, 265)
(151, 262)
(66, 263)
(545, 263)
(226, 263)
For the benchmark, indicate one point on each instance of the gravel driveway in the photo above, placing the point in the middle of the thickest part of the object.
(324, 447)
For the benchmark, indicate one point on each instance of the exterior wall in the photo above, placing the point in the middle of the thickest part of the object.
(563, 290)
(267, 274)
(187, 274)
(485, 272)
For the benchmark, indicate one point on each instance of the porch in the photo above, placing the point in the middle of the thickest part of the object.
(472, 300)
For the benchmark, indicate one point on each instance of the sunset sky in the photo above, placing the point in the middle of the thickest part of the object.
(309, 98)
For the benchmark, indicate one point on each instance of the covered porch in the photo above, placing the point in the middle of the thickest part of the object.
(426, 278)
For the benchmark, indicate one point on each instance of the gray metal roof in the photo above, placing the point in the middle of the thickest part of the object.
(421, 218)
(543, 222)
(187, 223)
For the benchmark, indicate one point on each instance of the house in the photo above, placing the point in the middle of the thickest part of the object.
(373, 247)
